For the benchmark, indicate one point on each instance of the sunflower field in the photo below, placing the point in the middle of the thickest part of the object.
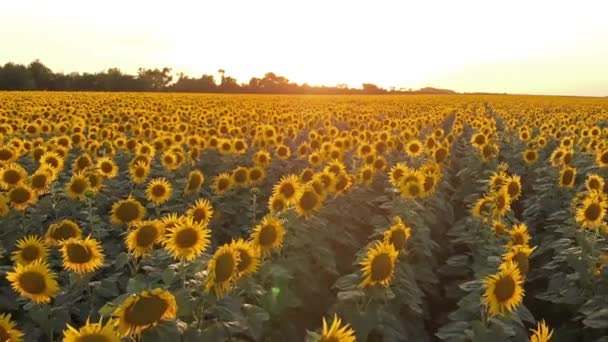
(165, 217)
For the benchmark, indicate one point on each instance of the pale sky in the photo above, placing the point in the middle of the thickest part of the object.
(536, 47)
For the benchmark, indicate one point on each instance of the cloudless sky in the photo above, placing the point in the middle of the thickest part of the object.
(537, 47)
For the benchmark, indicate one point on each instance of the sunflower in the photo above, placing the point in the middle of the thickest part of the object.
(519, 255)
(77, 186)
(195, 182)
(262, 158)
(342, 184)
(107, 167)
(601, 158)
(567, 177)
(22, 196)
(221, 183)
(145, 310)
(8, 332)
(92, 332)
(519, 235)
(40, 182)
(11, 175)
(308, 201)
(488, 151)
(34, 281)
(482, 207)
(239, 176)
(139, 172)
(82, 163)
(414, 148)
(4, 208)
(336, 332)
(143, 236)
(542, 333)
(201, 212)
(530, 156)
(397, 234)
(591, 214)
(222, 270)
(159, 191)
(513, 185)
(30, 249)
(277, 204)
(594, 182)
(255, 175)
(502, 203)
(249, 258)
(53, 160)
(504, 291)
(378, 265)
(412, 185)
(61, 231)
(282, 152)
(289, 188)
(8, 154)
(126, 211)
(498, 227)
(497, 180)
(478, 140)
(268, 235)
(366, 174)
(187, 239)
(170, 221)
(82, 255)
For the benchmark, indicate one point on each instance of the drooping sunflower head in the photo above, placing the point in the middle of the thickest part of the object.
(519, 256)
(482, 207)
(366, 174)
(63, 230)
(594, 182)
(92, 332)
(187, 239)
(308, 201)
(601, 158)
(502, 203)
(82, 255)
(143, 236)
(277, 204)
(222, 270)
(593, 210)
(126, 211)
(201, 212)
(239, 176)
(30, 249)
(498, 227)
(34, 281)
(40, 182)
(336, 331)
(8, 330)
(567, 177)
(397, 234)
(159, 190)
(249, 257)
(378, 265)
(504, 291)
(497, 180)
(11, 175)
(519, 235)
(268, 235)
(145, 310)
(195, 182)
(221, 183)
(513, 185)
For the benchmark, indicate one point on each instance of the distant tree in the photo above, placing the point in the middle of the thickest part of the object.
(155, 79)
(41, 75)
(369, 88)
(16, 77)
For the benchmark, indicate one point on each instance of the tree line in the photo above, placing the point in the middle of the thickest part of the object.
(37, 76)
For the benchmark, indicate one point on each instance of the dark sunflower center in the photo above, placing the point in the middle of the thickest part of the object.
(94, 337)
(499, 228)
(398, 239)
(199, 215)
(505, 289)
(398, 174)
(262, 159)
(604, 158)
(288, 190)
(63, 232)
(518, 239)
(32, 282)
(52, 161)
(79, 186)
(146, 311)
(20, 195)
(378, 164)
(593, 212)
(268, 235)
(429, 183)
(159, 190)
(530, 156)
(414, 148)
(513, 188)
(488, 151)
(594, 184)
(140, 172)
(83, 163)
(240, 176)
(186, 238)
(30, 253)
(146, 235)
(381, 267)
(254, 175)
(440, 155)
(239, 146)
(278, 205)
(224, 266)
(78, 253)
(308, 200)
(106, 167)
(4, 335)
(367, 174)
(39, 181)
(521, 259)
(568, 177)
(282, 151)
(414, 189)
(341, 184)
(223, 184)
(127, 211)
(244, 260)
(5, 154)
(194, 182)
(480, 139)
(11, 177)
(500, 202)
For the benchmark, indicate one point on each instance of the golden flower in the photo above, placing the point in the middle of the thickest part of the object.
(22, 196)
(107, 167)
(143, 236)
(139, 172)
(397, 234)
(519, 255)
(222, 270)
(268, 235)
(82, 255)
(145, 310)
(187, 239)
(201, 212)
(8, 332)
(92, 332)
(77, 186)
(519, 235)
(504, 291)
(195, 182)
(159, 191)
(567, 177)
(221, 183)
(378, 265)
(249, 257)
(30, 249)
(542, 333)
(591, 214)
(126, 211)
(11, 175)
(34, 281)
(336, 332)
(61, 231)
(289, 188)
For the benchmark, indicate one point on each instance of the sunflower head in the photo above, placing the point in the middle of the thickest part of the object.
(519, 255)
(378, 265)
(127, 211)
(145, 310)
(249, 257)
(30, 249)
(194, 182)
(504, 291)
(289, 187)
(11, 175)
(8, 330)
(143, 236)
(187, 239)
(594, 182)
(222, 270)
(255, 175)
(201, 212)
(239, 176)
(542, 333)
(397, 234)
(139, 172)
(107, 167)
(593, 210)
(34, 281)
(22, 196)
(221, 183)
(519, 235)
(268, 235)
(567, 177)
(159, 191)
(277, 204)
(308, 201)
(92, 332)
(77, 186)
(82, 255)
(336, 331)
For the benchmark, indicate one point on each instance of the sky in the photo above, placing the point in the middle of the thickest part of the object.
(533, 47)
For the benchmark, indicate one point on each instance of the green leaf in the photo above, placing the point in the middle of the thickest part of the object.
(121, 260)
